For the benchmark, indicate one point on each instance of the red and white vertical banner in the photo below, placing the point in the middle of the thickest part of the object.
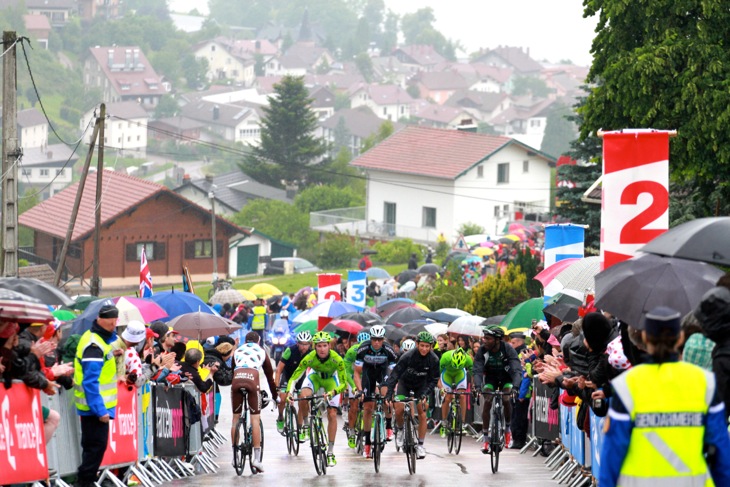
(635, 203)
(22, 442)
(122, 444)
(329, 287)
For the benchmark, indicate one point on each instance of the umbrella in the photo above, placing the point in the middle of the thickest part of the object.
(247, 295)
(483, 251)
(18, 307)
(310, 326)
(579, 277)
(63, 315)
(368, 252)
(467, 325)
(429, 269)
(176, 303)
(488, 244)
(230, 296)
(510, 238)
(405, 315)
(377, 273)
(333, 309)
(407, 287)
(477, 239)
(36, 288)
(703, 239)
(349, 327)
(520, 317)
(454, 311)
(392, 305)
(437, 329)
(493, 320)
(631, 288)
(441, 316)
(546, 275)
(130, 308)
(82, 301)
(406, 276)
(201, 325)
(264, 290)
(393, 333)
(563, 306)
(365, 318)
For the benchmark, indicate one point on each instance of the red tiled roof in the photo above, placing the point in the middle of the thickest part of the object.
(136, 74)
(431, 152)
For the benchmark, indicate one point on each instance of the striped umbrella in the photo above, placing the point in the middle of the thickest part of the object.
(18, 307)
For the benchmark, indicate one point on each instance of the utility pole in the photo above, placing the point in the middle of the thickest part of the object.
(95, 284)
(211, 196)
(10, 158)
(77, 202)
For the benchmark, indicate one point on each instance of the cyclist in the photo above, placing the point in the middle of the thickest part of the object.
(416, 373)
(249, 359)
(325, 370)
(496, 366)
(407, 346)
(289, 362)
(350, 357)
(374, 360)
(454, 365)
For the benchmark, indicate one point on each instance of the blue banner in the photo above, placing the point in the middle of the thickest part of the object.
(356, 287)
(597, 437)
(564, 241)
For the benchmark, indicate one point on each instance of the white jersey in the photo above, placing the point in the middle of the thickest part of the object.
(249, 355)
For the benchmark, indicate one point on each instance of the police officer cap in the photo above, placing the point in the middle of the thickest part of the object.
(662, 318)
(108, 311)
(517, 334)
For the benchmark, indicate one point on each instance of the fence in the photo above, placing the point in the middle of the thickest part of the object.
(151, 432)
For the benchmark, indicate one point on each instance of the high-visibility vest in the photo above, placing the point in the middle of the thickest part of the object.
(107, 378)
(667, 403)
(259, 318)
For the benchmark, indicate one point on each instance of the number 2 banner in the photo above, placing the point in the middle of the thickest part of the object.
(356, 286)
(329, 287)
(635, 206)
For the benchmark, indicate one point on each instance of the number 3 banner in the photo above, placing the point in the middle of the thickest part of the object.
(635, 206)
(356, 286)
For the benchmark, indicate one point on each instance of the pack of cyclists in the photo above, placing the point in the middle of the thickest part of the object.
(372, 368)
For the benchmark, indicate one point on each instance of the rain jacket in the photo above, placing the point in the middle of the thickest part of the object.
(713, 313)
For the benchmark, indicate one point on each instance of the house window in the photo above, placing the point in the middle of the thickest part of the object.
(153, 250)
(60, 172)
(497, 211)
(402, 109)
(25, 172)
(428, 217)
(385, 110)
(480, 172)
(525, 166)
(139, 137)
(44, 172)
(534, 123)
(202, 249)
(212, 48)
(503, 172)
(389, 218)
(505, 210)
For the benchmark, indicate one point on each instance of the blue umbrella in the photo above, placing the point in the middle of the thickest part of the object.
(178, 303)
(333, 309)
(377, 273)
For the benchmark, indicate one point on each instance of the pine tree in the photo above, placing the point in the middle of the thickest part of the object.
(288, 149)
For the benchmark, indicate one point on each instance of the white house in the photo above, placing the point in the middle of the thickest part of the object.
(227, 60)
(426, 181)
(46, 170)
(125, 128)
(32, 129)
(236, 122)
(389, 102)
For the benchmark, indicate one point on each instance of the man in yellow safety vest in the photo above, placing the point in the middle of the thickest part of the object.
(258, 318)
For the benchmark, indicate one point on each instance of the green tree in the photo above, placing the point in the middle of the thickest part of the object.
(664, 64)
(571, 208)
(559, 131)
(418, 28)
(529, 265)
(336, 250)
(470, 228)
(167, 107)
(444, 294)
(365, 65)
(499, 293)
(397, 251)
(530, 85)
(319, 198)
(385, 130)
(341, 135)
(390, 32)
(288, 146)
(277, 219)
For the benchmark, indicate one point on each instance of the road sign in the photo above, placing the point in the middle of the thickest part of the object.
(460, 245)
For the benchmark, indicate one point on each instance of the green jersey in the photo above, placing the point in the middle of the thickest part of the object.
(327, 369)
(445, 362)
(350, 357)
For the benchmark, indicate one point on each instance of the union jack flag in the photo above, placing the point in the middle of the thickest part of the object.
(145, 279)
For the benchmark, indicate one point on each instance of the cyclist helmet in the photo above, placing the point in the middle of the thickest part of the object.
(407, 345)
(363, 336)
(425, 336)
(304, 336)
(321, 337)
(377, 331)
(283, 314)
(496, 331)
(458, 359)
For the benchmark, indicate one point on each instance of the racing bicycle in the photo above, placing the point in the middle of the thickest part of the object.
(317, 434)
(243, 439)
(496, 426)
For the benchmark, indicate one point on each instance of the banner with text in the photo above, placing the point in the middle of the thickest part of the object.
(356, 288)
(329, 287)
(207, 407)
(121, 447)
(22, 442)
(168, 426)
(563, 241)
(635, 207)
(597, 437)
(545, 419)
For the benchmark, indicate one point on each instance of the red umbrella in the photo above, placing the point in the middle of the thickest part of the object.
(347, 326)
(546, 275)
(22, 309)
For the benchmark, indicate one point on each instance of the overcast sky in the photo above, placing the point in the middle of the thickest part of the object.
(552, 29)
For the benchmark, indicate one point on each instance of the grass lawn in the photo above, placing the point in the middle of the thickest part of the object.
(288, 284)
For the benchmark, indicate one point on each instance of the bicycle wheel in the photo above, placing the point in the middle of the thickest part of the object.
(360, 441)
(494, 449)
(314, 443)
(239, 459)
(292, 428)
(458, 427)
(377, 440)
(449, 425)
(409, 445)
(322, 447)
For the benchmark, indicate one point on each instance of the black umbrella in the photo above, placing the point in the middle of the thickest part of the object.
(493, 320)
(368, 252)
(405, 315)
(703, 239)
(365, 318)
(429, 269)
(440, 316)
(36, 288)
(407, 275)
(414, 327)
(393, 333)
(564, 307)
(631, 288)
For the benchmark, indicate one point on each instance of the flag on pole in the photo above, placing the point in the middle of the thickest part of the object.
(563, 241)
(145, 279)
(186, 281)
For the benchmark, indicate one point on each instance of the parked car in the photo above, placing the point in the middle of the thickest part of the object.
(301, 266)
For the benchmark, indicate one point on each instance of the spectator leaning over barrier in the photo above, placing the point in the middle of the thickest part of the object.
(95, 391)
(663, 416)
(189, 368)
